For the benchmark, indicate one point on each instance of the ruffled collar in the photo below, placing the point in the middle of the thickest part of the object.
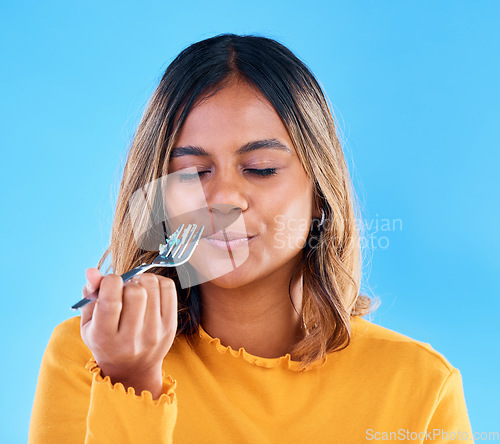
(241, 354)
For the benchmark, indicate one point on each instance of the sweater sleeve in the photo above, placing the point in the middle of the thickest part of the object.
(75, 404)
(450, 421)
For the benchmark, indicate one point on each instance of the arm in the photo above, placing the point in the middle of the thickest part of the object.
(450, 412)
(74, 404)
(119, 416)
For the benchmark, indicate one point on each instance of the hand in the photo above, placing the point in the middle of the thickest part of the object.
(130, 327)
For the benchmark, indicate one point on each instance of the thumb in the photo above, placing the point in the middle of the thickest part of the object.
(94, 278)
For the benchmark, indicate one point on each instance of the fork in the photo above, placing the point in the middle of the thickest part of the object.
(176, 251)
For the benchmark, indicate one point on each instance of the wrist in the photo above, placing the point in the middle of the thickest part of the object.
(150, 380)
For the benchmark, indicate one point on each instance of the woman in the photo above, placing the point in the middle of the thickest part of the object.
(274, 349)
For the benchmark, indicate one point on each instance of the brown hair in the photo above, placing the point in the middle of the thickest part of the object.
(331, 265)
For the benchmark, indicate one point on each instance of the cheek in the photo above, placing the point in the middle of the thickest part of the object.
(182, 197)
(292, 212)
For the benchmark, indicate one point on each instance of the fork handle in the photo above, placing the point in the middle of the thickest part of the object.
(137, 270)
(125, 276)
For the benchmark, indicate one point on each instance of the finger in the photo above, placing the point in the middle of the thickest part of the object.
(108, 306)
(168, 302)
(134, 306)
(94, 278)
(87, 312)
(93, 275)
(152, 316)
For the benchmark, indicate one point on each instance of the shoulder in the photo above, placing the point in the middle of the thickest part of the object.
(387, 348)
(68, 330)
(406, 377)
(66, 342)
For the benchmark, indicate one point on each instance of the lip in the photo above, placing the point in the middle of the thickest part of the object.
(234, 240)
(229, 236)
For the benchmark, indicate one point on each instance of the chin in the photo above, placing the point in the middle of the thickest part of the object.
(220, 268)
(234, 279)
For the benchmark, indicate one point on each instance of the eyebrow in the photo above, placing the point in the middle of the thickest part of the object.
(271, 144)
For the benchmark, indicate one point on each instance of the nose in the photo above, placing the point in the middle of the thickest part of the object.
(226, 193)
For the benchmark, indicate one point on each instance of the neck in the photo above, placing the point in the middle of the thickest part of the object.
(258, 317)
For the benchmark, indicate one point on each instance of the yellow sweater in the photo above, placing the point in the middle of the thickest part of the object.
(383, 385)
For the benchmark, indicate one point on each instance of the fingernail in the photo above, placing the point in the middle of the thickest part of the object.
(88, 287)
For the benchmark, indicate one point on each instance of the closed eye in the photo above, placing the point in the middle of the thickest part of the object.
(262, 172)
(190, 177)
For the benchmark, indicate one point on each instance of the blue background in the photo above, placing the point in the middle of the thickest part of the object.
(414, 87)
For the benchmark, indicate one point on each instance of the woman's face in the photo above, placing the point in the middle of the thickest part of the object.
(247, 168)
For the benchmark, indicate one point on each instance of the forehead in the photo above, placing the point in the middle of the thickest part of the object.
(233, 116)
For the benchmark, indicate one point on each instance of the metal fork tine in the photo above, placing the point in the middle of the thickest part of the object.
(172, 240)
(188, 240)
(193, 243)
(183, 240)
